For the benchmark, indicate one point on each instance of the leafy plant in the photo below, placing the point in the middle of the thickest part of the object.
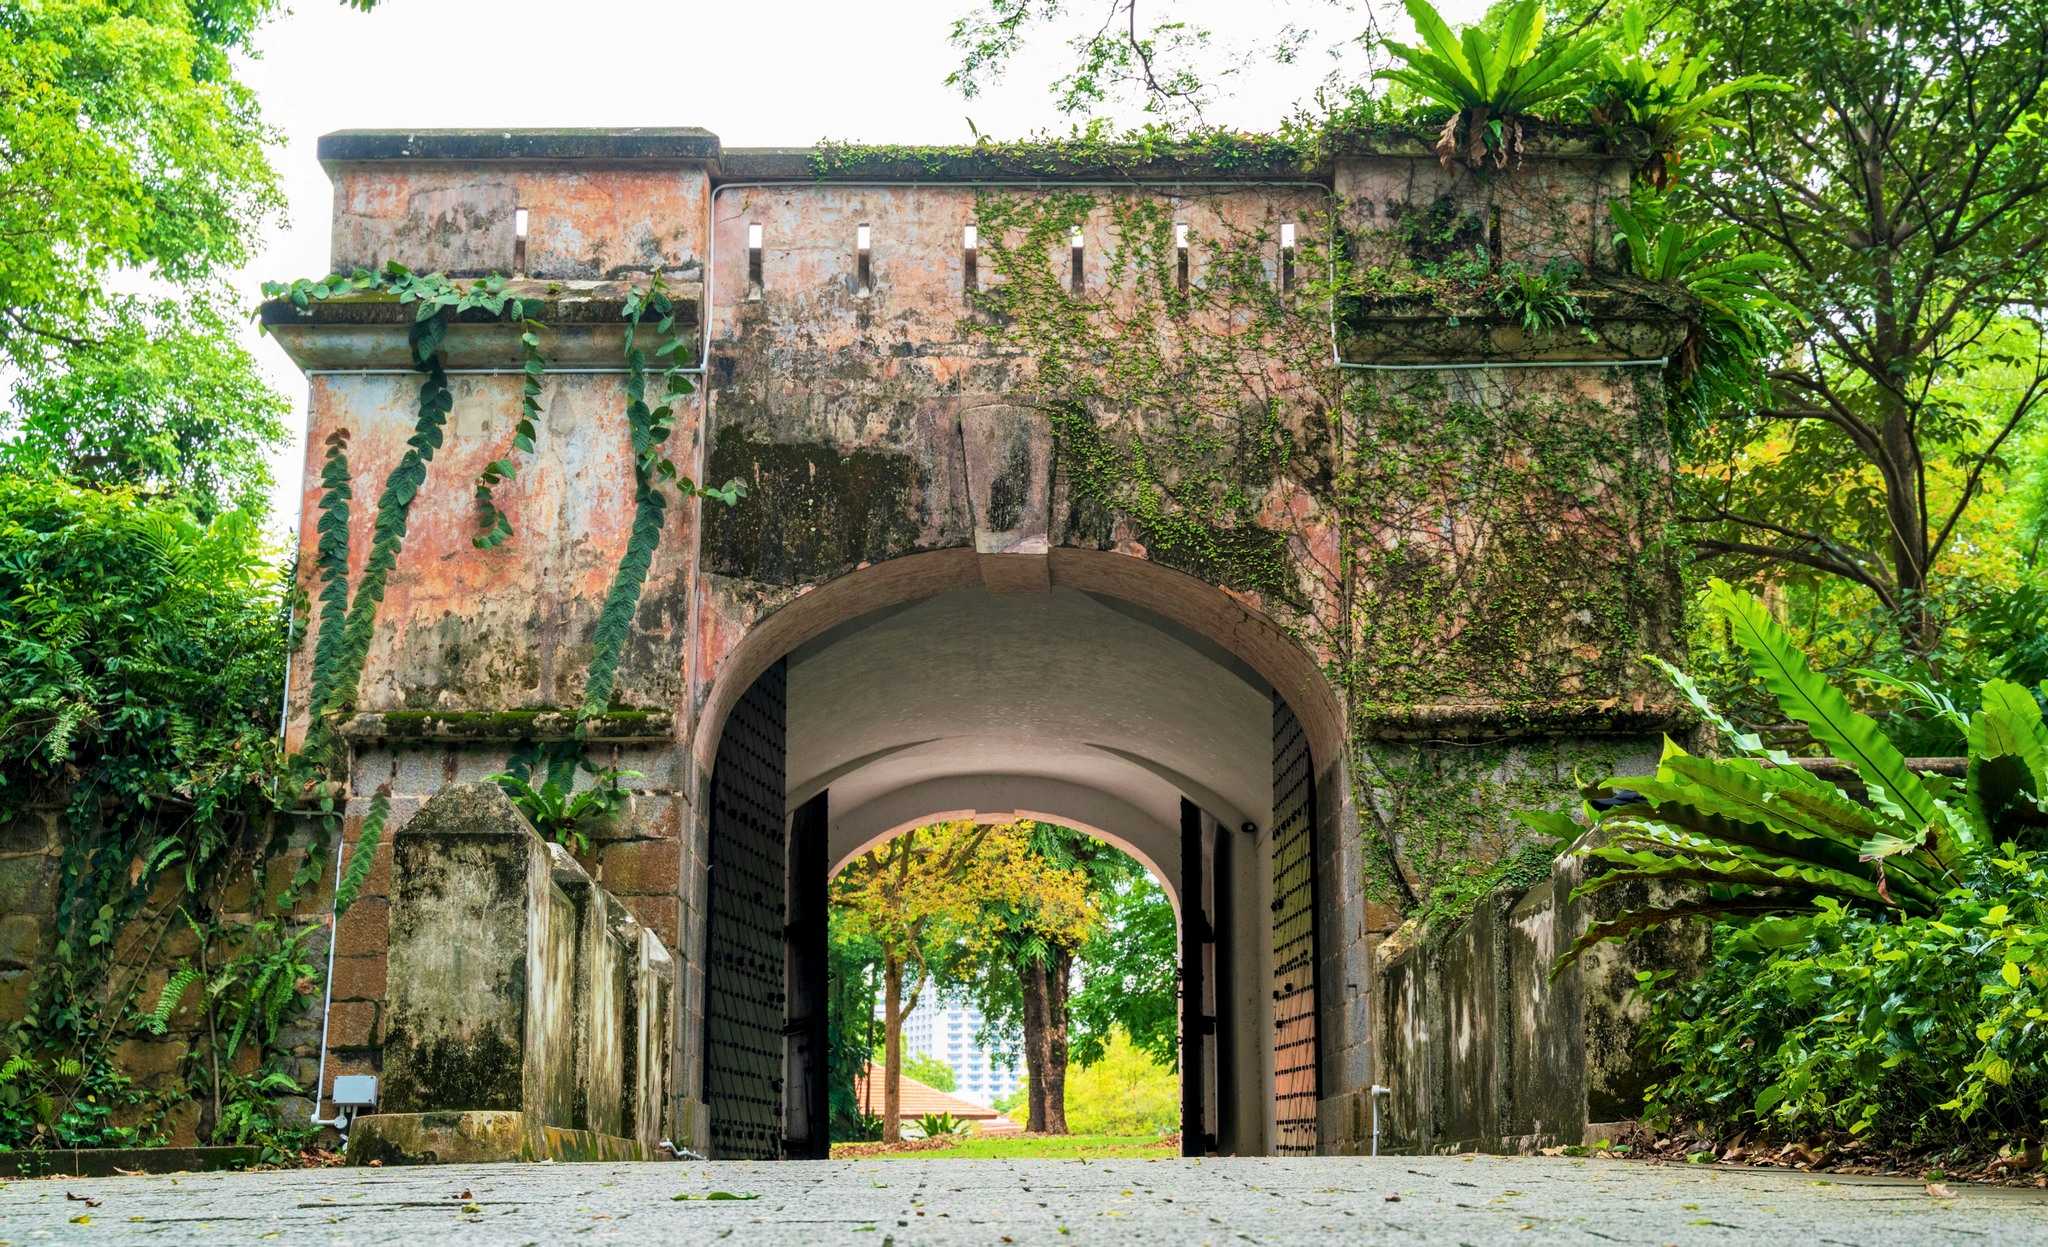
(1651, 87)
(650, 427)
(1540, 300)
(1726, 356)
(1492, 82)
(364, 855)
(1915, 1032)
(940, 1125)
(561, 812)
(1758, 834)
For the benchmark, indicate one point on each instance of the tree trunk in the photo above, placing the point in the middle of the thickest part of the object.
(1058, 975)
(1903, 471)
(892, 1048)
(1032, 984)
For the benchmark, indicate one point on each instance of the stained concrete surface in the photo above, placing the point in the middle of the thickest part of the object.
(1435, 1200)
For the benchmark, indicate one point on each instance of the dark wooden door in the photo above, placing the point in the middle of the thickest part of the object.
(745, 998)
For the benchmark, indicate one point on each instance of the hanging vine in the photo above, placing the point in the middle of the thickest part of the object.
(1462, 551)
(341, 653)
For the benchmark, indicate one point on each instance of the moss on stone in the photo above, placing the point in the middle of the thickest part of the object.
(812, 510)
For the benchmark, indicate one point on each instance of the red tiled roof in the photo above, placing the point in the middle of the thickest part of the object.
(917, 1099)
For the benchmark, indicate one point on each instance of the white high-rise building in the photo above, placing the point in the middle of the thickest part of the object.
(946, 1031)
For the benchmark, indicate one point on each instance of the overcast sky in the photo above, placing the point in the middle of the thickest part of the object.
(755, 72)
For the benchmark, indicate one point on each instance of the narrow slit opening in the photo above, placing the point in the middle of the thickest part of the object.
(753, 260)
(1180, 253)
(1287, 256)
(970, 244)
(1077, 260)
(519, 220)
(863, 265)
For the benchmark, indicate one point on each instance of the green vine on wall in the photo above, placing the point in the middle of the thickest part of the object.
(650, 427)
(1451, 545)
(340, 654)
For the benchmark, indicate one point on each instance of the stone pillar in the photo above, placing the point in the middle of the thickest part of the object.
(508, 998)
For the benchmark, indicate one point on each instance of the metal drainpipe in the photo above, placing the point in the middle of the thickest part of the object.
(284, 711)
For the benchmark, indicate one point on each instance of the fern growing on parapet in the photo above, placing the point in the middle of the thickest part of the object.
(1494, 82)
(1758, 834)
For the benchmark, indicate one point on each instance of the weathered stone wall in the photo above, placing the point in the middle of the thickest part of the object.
(1484, 1049)
(1462, 549)
(144, 956)
(507, 997)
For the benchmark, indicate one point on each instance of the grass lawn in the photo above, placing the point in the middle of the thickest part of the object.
(1048, 1147)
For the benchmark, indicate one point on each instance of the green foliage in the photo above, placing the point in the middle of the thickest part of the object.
(939, 1125)
(929, 1070)
(563, 813)
(492, 524)
(1758, 834)
(259, 976)
(62, 1101)
(1130, 971)
(330, 567)
(1125, 1091)
(364, 855)
(650, 428)
(1897, 182)
(853, 973)
(1539, 299)
(1648, 90)
(158, 1019)
(143, 655)
(132, 150)
(164, 399)
(1490, 79)
(1736, 335)
(1925, 1031)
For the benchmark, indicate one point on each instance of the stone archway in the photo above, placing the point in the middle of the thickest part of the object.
(1124, 698)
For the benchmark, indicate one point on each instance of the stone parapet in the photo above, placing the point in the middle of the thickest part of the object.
(518, 989)
(1486, 1046)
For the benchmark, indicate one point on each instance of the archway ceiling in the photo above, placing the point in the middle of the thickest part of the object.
(1078, 693)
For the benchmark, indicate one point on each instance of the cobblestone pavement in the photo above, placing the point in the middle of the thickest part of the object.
(898, 1203)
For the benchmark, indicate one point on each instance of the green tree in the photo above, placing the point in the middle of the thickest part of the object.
(165, 400)
(1021, 970)
(853, 970)
(930, 1071)
(920, 898)
(131, 158)
(1901, 184)
(1130, 974)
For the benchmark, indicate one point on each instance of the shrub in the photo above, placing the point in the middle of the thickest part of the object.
(940, 1125)
(1757, 834)
(1920, 1032)
(1879, 967)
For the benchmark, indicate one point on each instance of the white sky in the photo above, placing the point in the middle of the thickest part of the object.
(757, 73)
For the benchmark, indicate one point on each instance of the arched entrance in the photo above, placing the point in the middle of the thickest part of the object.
(1120, 696)
(1005, 1016)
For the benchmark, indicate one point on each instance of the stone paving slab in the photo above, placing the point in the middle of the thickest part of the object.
(910, 1203)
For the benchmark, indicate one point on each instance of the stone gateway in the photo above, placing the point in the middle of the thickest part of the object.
(1227, 504)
